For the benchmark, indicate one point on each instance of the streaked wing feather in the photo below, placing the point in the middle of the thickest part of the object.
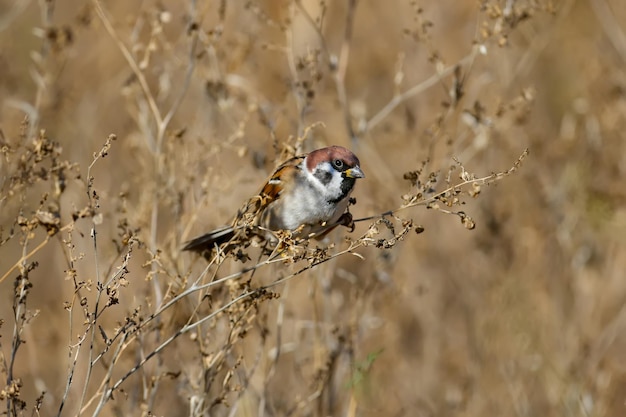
(275, 185)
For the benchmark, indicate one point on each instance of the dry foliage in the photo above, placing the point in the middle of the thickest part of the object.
(128, 127)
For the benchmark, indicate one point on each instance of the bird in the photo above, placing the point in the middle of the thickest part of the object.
(307, 195)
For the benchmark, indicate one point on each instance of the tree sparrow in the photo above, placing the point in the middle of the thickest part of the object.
(307, 194)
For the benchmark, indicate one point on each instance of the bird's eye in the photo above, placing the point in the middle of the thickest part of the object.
(338, 163)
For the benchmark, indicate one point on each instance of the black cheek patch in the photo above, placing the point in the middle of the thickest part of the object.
(324, 176)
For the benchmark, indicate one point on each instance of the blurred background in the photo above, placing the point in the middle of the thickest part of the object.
(524, 315)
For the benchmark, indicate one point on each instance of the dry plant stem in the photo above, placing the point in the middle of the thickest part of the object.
(9, 16)
(245, 380)
(421, 201)
(519, 397)
(70, 376)
(338, 66)
(32, 114)
(539, 43)
(193, 289)
(156, 115)
(610, 25)
(169, 304)
(173, 337)
(28, 255)
(317, 29)
(417, 89)
(106, 393)
(319, 347)
(18, 325)
(342, 67)
(91, 318)
(352, 406)
(277, 351)
(132, 63)
(161, 122)
(33, 111)
(72, 347)
(162, 127)
(99, 289)
(47, 9)
(123, 343)
(78, 347)
(291, 61)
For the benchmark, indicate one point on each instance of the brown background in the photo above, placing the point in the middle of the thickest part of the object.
(525, 315)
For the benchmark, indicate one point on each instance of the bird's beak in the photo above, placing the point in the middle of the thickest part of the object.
(355, 173)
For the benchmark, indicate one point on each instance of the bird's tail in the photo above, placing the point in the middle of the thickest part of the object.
(208, 241)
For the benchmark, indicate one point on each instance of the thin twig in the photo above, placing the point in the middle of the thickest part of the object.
(342, 68)
(106, 393)
(24, 258)
(610, 25)
(295, 83)
(415, 90)
(99, 286)
(132, 63)
(420, 201)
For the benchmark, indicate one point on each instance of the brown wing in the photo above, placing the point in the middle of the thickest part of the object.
(276, 184)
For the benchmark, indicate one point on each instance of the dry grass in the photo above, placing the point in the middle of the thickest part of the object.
(128, 127)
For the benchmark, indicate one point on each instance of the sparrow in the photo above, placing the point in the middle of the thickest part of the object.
(307, 195)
